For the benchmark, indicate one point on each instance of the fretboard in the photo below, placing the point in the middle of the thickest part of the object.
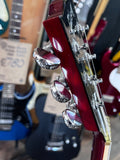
(15, 20)
(57, 129)
(7, 100)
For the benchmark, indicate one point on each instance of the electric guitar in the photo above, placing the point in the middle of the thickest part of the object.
(15, 120)
(110, 88)
(79, 85)
(4, 16)
(13, 111)
(98, 31)
(52, 139)
(82, 9)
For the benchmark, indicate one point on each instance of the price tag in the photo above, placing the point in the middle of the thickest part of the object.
(51, 105)
(14, 61)
(48, 73)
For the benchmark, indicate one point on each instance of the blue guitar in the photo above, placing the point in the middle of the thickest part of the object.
(15, 121)
(4, 16)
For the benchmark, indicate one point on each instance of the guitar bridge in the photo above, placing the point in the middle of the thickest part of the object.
(54, 146)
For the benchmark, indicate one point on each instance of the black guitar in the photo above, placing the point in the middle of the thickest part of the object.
(52, 139)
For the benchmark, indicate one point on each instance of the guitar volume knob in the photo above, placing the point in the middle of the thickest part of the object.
(46, 59)
(60, 92)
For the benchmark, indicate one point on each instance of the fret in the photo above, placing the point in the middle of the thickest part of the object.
(14, 30)
(8, 91)
(18, 1)
(6, 108)
(16, 20)
(15, 34)
(14, 37)
(16, 12)
(15, 27)
(18, 4)
(5, 121)
(16, 16)
(17, 8)
(7, 100)
(6, 115)
(14, 23)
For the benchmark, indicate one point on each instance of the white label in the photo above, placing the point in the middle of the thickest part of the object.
(14, 61)
(51, 105)
(114, 79)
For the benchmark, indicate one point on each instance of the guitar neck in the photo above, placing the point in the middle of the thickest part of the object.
(15, 20)
(7, 99)
(57, 125)
(101, 148)
(14, 34)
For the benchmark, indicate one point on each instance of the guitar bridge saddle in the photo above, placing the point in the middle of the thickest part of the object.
(54, 146)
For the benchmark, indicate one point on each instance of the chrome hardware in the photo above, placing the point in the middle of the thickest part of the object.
(67, 141)
(46, 59)
(54, 146)
(81, 28)
(84, 46)
(72, 105)
(60, 92)
(71, 119)
(75, 145)
(74, 142)
(90, 56)
(48, 46)
(61, 79)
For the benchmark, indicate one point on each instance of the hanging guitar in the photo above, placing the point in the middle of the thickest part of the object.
(111, 86)
(81, 86)
(4, 16)
(52, 138)
(15, 120)
(98, 31)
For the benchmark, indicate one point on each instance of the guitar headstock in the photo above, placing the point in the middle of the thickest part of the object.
(79, 85)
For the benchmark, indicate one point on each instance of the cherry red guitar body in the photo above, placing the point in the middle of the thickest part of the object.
(111, 95)
(55, 27)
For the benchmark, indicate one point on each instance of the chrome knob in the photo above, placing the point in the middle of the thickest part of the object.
(46, 59)
(71, 119)
(60, 92)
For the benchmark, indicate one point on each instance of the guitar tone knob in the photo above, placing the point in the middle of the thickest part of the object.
(46, 59)
(71, 119)
(60, 92)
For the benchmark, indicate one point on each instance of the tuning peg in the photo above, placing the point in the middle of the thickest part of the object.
(60, 92)
(71, 119)
(46, 59)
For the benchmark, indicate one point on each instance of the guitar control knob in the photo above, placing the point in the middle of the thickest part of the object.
(72, 119)
(60, 92)
(46, 59)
